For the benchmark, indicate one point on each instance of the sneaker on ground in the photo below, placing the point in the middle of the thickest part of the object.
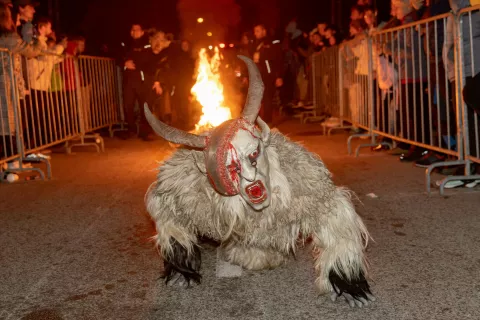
(428, 159)
(450, 184)
(38, 156)
(472, 184)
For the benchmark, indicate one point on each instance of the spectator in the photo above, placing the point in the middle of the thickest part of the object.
(321, 28)
(411, 62)
(157, 66)
(40, 78)
(268, 57)
(133, 81)
(470, 63)
(357, 13)
(26, 10)
(9, 39)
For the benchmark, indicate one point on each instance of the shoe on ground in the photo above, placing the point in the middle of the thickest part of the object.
(429, 158)
(413, 154)
(380, 147)
(450, 184)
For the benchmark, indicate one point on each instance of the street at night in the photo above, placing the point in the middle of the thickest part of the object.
(78, 246)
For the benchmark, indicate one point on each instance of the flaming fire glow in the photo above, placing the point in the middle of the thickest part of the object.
(208, 91)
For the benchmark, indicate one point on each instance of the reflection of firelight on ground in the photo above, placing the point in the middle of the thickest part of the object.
(208, 91)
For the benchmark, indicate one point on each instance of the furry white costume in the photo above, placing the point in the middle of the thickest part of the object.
(254, 191)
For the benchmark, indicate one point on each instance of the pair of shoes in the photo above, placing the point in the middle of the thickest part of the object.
(428, 159)
(414, 154)
(379, 148)
(458, 183)
(34, 156)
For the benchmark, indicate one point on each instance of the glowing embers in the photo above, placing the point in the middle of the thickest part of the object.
(208, 91)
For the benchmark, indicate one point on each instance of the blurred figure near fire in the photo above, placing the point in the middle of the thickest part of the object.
(133, 82)
(268, 57)
(184, 68)
(157, 66)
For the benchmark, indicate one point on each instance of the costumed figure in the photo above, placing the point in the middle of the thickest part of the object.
(254, 191)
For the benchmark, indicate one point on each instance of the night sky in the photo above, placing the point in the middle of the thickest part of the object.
(108, 21)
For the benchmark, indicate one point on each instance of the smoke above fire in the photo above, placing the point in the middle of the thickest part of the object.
(217, 17)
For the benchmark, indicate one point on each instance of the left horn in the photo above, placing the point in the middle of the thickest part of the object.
(172, 134)
(255, 91)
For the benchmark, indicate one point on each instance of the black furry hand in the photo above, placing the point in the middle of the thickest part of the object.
(356, 291)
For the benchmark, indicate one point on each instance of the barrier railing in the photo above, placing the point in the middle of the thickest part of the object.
(8, 111)
(324, 79)
(56, 99)
(408, 90)
(467, 43)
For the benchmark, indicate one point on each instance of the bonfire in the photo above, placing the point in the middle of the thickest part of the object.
(208, 91)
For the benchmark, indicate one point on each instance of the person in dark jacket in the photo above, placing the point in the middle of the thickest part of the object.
(157, 66)
(269, 60)
(133, 81)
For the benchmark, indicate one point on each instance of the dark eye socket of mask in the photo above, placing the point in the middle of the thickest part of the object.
(254, 156)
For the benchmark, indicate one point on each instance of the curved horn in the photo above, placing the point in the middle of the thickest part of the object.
(173, 134)
(255, 91)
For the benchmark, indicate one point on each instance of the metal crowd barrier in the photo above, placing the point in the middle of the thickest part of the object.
(56, 99)
(467, 46)
(324, 79)
(412, 89)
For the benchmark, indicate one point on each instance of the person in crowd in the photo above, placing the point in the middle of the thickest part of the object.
(333, 36)
(411, 64)
(321, 28)
(158, 66)
(296, 74)
(39, 72)
(470, 63)
(26, 10)
(268, 57)
(133, 83)
(357, 13)
(10, 40)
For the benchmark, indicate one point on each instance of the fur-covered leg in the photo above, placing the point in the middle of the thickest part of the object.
(252, 258)
(342, 266)
(180, 252)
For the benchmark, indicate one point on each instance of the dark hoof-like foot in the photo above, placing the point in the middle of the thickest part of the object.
(355, 291)
(176, 279)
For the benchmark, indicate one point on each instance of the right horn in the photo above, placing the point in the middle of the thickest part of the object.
(255, 91)
(172, 134)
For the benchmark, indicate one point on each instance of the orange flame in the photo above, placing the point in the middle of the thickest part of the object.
(208, 91)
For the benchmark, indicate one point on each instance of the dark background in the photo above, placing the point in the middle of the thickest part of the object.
(108, 21)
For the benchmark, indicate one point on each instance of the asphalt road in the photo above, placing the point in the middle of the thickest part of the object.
(78, 246)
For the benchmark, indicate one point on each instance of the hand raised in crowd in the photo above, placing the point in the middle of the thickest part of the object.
(130, 65)
(279, 82)
(158, 89)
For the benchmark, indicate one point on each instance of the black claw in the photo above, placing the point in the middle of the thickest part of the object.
(358, 287)
(180, 261)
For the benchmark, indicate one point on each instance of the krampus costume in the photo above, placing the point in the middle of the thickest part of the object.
(255, 192)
